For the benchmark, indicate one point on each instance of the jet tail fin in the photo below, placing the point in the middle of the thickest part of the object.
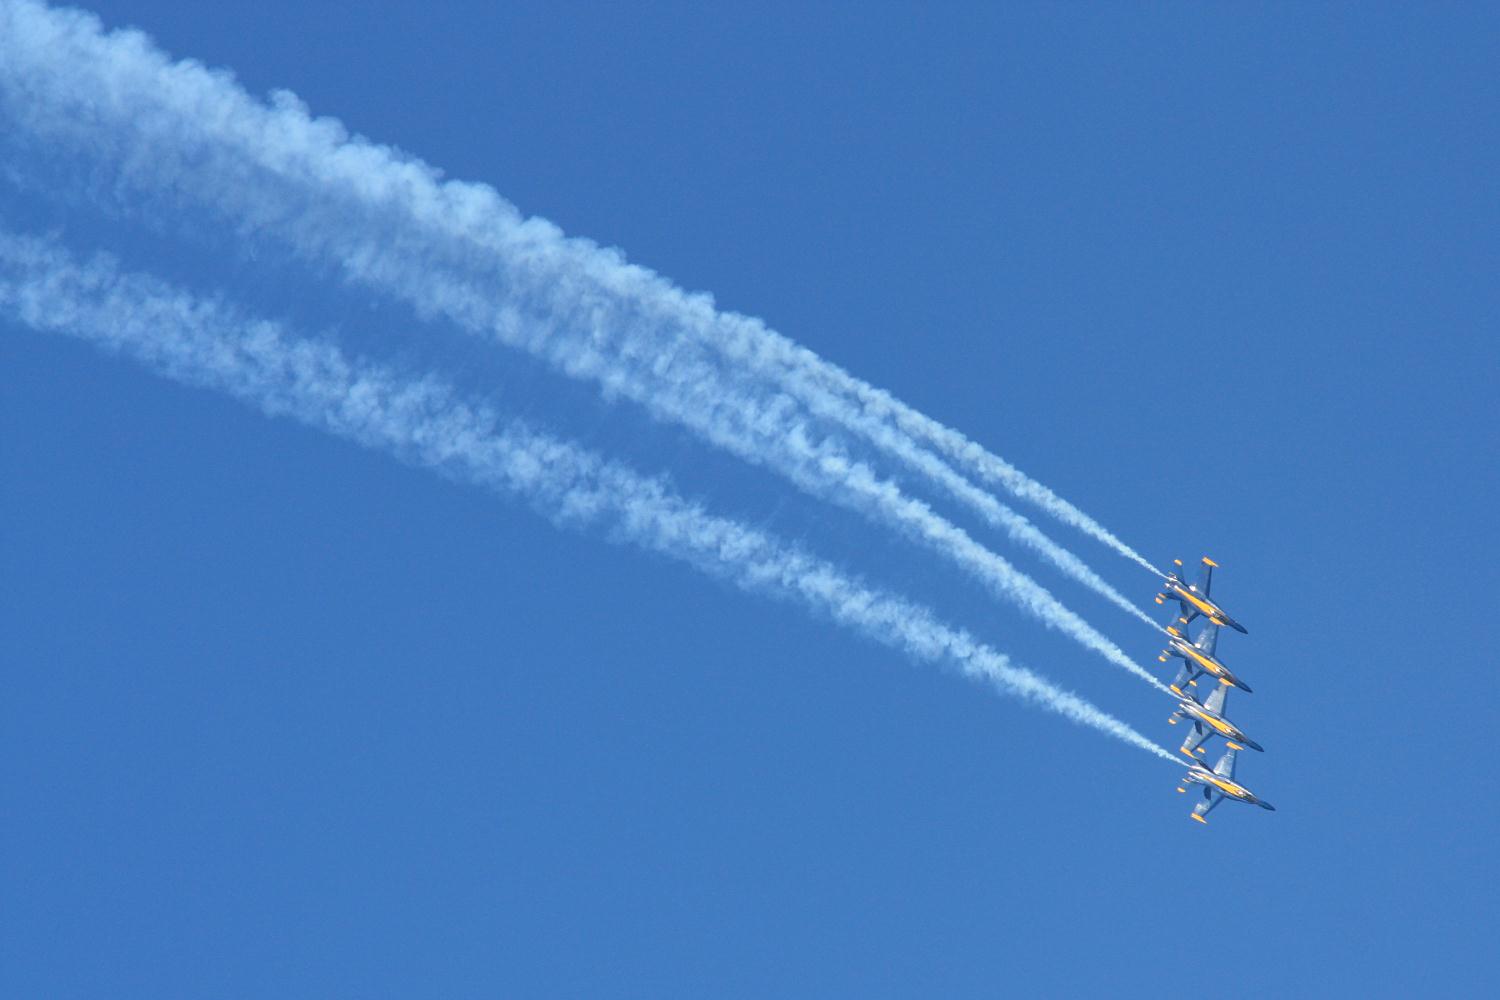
(1215, 700)
(1187, 679)
(1206, 806)
(1225, 767)
(1208, 639)
(1206, 575)
(1193, 742)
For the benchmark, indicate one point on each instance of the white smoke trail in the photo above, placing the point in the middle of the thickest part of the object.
(881, 417)
(388, 223)
(207, 343)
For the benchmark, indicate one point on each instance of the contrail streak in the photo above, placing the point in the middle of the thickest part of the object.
(208, 343)
(389, 224)
(875, 412)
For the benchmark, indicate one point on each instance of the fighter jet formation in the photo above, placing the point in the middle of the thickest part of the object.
(1194, 597)
(1205, 716)
(1218, 785)
(1197, 657)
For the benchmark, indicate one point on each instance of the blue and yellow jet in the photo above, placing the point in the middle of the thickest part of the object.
(1208, 721)
(1218, 785)
(1198, 658)
(1194, 596)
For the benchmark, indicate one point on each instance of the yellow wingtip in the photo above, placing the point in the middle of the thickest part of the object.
(1199, 818)
(1211, 562)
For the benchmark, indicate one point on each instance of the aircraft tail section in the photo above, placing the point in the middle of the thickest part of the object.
(1187, 679)
(1206, 575)
(1215, 700)
(1206, 806)
(1225, 767)
(1208, 639)
(1192, 744)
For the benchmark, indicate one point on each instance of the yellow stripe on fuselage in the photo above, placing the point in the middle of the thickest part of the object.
(1195, 601)
(1229, 787)
(1212, 720)
(1209, 663)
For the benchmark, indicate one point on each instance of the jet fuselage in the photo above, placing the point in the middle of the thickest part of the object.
(1199, 774)
(1211, 665)
(1220, 725)
(1188, 594)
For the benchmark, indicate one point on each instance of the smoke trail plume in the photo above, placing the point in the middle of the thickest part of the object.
(879, 415)
(207, 343)
(461, 252)
(390, 225)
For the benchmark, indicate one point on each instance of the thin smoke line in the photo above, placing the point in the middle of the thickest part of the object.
(205, 342)
(177, 127)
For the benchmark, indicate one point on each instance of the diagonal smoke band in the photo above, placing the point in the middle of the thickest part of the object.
(460, 252)
(207, 343)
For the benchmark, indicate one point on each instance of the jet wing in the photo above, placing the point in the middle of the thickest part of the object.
(1206, 805)
(1188, 614)
(1225, 767)
(1206, 575)
(1208, 639)
(1215, 700)
(1186, 676)
(1195, 738)
(1178, 626)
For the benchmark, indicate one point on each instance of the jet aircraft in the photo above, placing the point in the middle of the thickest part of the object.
(1218, 785)
(1194, 596)
(1198, 657)
(1208, 720)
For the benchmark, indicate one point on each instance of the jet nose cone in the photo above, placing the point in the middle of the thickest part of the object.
(1267, 805)
(1253, 745)
(1240, 628)
(1244, 687)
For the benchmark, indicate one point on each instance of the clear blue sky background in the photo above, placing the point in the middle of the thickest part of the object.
(286, 718)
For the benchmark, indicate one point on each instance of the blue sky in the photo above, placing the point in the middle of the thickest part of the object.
(286, 717)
